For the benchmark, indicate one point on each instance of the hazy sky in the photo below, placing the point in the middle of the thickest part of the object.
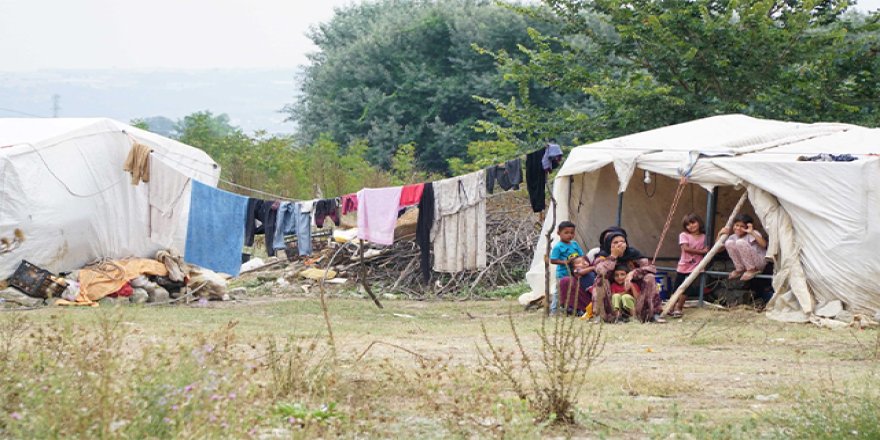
(177, 34)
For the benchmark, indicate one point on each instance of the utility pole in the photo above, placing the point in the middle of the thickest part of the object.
(56, 105)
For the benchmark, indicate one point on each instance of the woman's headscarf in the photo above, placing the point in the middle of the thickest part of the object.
(608, 235)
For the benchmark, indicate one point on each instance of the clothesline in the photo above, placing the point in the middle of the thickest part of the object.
(247, 188)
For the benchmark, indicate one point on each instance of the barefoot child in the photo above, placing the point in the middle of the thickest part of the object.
(746, 247)
(693, 247)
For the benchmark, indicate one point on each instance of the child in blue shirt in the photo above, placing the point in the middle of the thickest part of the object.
(565, 250)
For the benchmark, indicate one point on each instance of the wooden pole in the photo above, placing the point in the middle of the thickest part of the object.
(363, 276)
(706, 259)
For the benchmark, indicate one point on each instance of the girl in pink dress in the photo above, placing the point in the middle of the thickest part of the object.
(693, 247)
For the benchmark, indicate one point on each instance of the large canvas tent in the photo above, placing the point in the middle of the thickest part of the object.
(62, 183)
(822, 218)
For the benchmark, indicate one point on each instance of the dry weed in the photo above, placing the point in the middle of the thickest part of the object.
(552, 382)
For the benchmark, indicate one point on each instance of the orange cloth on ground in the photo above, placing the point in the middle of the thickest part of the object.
(138, 163)
(95, 284)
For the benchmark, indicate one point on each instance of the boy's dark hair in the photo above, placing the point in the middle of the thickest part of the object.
(563, 225)
(744, 218)
(552, 140)
(621, 267)
(688, 218)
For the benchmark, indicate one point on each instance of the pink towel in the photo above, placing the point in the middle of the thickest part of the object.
(377, 214)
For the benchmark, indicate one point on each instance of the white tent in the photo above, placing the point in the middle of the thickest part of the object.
(822, 218)
(62, 184)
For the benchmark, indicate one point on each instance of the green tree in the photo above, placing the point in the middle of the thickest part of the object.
(631, 65)
(395, 72)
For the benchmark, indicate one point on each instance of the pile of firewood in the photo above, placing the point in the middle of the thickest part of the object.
(511, 233)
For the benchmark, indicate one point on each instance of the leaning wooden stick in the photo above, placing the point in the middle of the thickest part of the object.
(706, 259)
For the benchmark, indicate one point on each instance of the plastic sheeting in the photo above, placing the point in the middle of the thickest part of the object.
(62, 184)
(817, 215)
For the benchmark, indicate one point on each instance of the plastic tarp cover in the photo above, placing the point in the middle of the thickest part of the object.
(71, 198)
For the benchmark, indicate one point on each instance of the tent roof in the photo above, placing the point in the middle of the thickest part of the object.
(670, 150)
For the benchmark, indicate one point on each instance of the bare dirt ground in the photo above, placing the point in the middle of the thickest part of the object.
(711, 374)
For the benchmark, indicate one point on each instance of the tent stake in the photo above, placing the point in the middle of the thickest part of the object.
(698, 271)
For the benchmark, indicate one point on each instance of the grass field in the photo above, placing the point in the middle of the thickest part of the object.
(265, 369)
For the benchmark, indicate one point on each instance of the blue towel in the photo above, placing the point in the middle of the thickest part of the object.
(215, 233)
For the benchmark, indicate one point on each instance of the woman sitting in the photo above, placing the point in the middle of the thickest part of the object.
(615, 251)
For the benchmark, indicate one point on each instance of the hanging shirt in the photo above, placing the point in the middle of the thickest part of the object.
(552, 157)
(215, 235)
(508, 175)
(326, 208)
(411, 194)
(377, 214)
(349, 203)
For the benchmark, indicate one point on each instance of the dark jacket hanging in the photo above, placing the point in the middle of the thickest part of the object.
(423, 230)
(536, 179)
(250, 221)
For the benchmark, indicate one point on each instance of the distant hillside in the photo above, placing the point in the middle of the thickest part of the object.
(251, 98)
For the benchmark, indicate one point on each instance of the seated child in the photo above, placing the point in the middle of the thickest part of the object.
(746, 247)
(623, 294)
(574, 291)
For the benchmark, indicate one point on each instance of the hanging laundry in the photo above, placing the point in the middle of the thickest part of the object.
(326, 208)
(307, 205)
(827, 157)
(552, 156)
(411, 194)
(508, 175)
(423, 230)
(214, 236)
(267, 213)
(349, 203)
(138, 163)
(377, 214)
(251, 221)
(459, 231)
(536, 180)
(291, 220)
(169, 204)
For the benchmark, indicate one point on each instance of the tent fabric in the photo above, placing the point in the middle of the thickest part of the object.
(62, 184)
(815, 213)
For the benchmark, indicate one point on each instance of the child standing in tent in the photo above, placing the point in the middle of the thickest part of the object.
(693, 247)
(563, 252)
(746, 247)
